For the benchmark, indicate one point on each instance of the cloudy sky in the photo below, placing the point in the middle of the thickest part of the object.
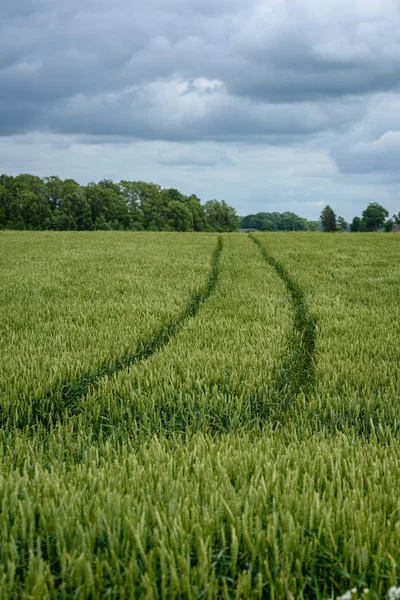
(271, 105)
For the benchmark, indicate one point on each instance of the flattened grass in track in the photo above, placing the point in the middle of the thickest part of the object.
(352, 285)
(298, 369)
(74, 302)
(63, 399)
(219, 373)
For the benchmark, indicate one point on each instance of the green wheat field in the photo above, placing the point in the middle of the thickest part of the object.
(199, 415)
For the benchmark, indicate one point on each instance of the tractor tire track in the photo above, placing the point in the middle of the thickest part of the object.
(296, 373)
(293, 374)
(64, 398)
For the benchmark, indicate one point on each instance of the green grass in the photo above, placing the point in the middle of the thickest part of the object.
(187, 416)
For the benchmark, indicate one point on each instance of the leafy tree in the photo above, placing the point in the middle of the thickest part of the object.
(149, 205)
(286, 221)
(342, 224)
(312, 225)
(101, 224)
(373, 217)
(63, 221)
(29, 208)
(220, 216)
(179, 217)
(355, 224)
(328, 219)
(3, 204)
(53, 189)
(388, 226)
(390, 223)
(108, 184)
(198, 213)
(261, 221)
(291, 222)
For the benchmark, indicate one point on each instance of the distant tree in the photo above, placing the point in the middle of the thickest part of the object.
(220, 216)
(74, 207)
(373, 217)
(291, 222)
(342, 224)
(150, 203)
(388, 226)
(312, 225)
(53, 191)
(390, 223)
(108, 184)
(355, 224)
(261, 221)
(328, 219)
(132, 193)
(30, 209)
(3, 205)
(63, 220)
(198, 213)
(286, 221)
(179, 217)
(102, 224)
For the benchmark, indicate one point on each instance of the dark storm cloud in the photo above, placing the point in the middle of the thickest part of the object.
(274, 71)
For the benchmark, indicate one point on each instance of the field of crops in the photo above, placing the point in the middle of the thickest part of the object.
(199, 415)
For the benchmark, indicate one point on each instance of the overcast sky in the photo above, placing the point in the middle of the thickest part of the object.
(271, 105)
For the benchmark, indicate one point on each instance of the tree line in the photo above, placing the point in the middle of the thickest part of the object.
(275, 221)
(34, 203)
(374, 218)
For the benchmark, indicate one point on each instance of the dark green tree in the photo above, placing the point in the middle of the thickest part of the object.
(132, 194)
(179, 217)
(53, 190)
(198, 213)
(328, 219)
(312, 225)
(150, 212)
(388, 226)
(3, 207)
(373, 217)
(390, 223)
(291, 222)
(220, 216)
(355, 225)
(342, 224)
(286, 221)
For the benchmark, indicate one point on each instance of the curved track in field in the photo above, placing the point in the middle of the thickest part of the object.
(294, 374)
(297, 371)
(51, 406)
